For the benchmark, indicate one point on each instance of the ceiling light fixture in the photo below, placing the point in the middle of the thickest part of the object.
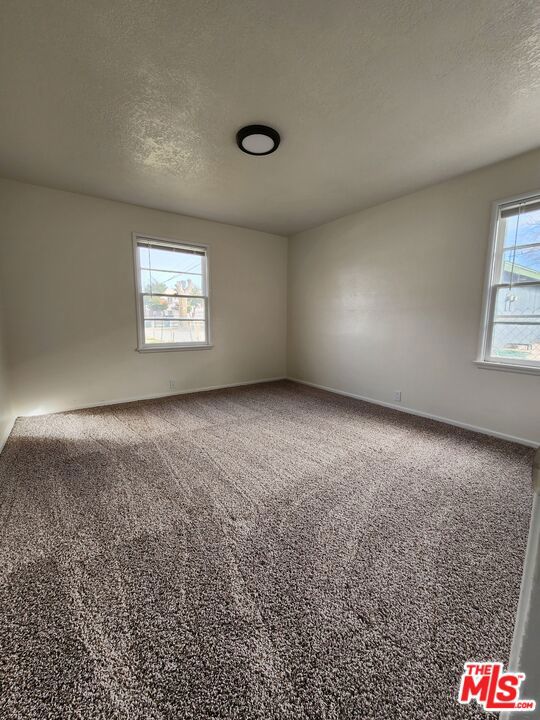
(257, 139)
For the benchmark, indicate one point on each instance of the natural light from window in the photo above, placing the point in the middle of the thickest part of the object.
(512, 329)
(172, 294)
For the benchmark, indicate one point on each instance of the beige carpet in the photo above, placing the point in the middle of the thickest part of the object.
(265, 552)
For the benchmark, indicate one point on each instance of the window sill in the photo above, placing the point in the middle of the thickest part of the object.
(506, 367)
(175, 348)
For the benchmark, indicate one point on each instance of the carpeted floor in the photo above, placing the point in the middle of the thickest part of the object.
(266, 552)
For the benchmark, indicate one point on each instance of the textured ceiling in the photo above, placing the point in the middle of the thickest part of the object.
(139, 100)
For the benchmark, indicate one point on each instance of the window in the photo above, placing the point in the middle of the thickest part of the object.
(511, 331)
(172, 294)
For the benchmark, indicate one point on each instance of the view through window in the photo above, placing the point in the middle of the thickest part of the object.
(172, 294)
(512, 332)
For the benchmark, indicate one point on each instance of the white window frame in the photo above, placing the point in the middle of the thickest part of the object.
(139, 294)
(492, 282)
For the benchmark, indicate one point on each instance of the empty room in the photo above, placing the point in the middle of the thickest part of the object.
(269, 360)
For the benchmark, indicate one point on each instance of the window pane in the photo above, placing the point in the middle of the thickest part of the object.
(518, 342)
(512, 330)
(174, 331)
(523, 265)
(156, 306)
(173, 294)
(173, 260)
(144, 256)
(528, 230)
(518, 301)
(156, 281)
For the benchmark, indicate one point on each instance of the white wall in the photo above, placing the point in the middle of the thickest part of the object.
(386, 299)
(390, 299)
(66, 269)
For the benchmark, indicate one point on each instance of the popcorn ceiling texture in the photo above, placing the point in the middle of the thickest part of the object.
(272, 551)
(140, 101)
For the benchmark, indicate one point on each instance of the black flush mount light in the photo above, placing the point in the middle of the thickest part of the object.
(257, 139)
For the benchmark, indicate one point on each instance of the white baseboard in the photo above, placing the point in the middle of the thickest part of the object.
(154, 396)
(419, 413)
(336, 391)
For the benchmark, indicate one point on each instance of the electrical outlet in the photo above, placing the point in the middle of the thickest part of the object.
(397, 396)
(172, 384)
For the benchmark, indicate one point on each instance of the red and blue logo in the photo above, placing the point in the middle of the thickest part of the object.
(491, 687)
